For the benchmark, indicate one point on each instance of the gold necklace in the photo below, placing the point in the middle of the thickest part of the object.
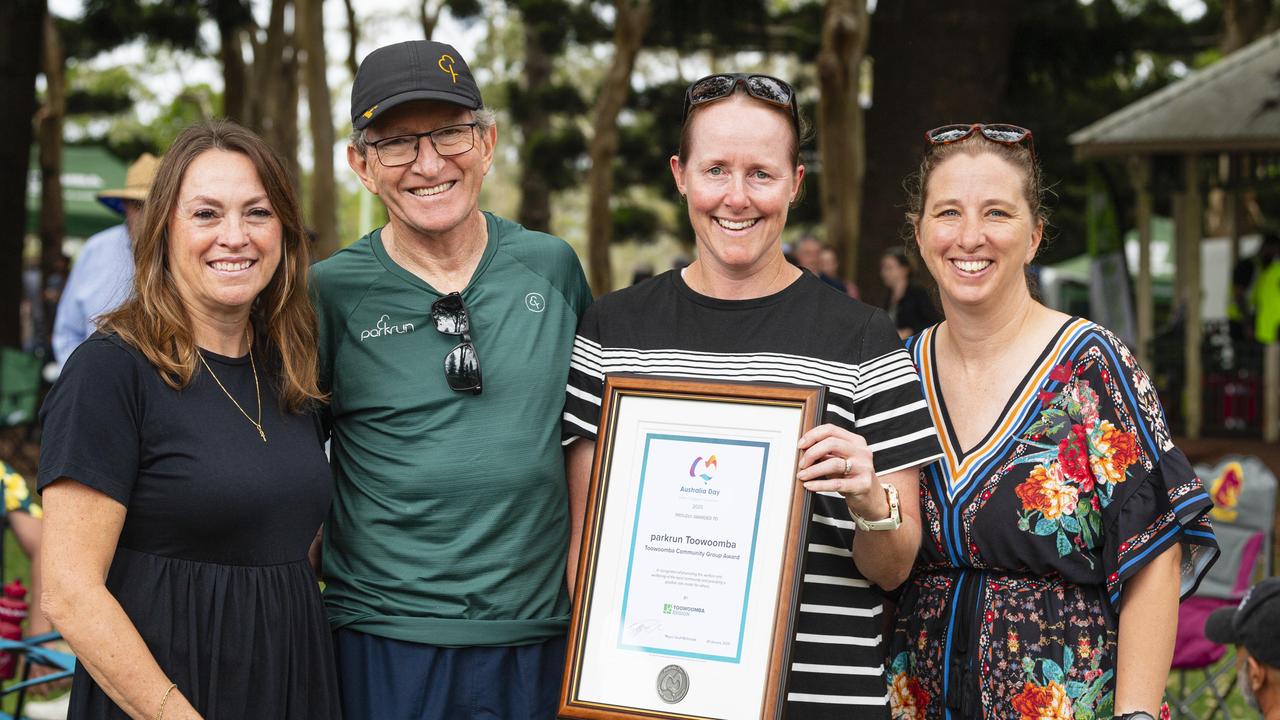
(258, 424)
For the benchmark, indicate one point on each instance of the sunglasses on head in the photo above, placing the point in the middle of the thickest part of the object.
(996, 133)
(761, 87)
(461, 365)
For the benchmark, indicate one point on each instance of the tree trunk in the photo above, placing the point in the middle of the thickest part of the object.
(273, 104)
(919, 84)
(269, 80)
(535, 124)
(429, 17)
(49, 131)
(1243, 22)
(323, 198)
(19, 65)
(234, 100)
(353, 37)
(840, 138)
(631, 22)
(286, 127)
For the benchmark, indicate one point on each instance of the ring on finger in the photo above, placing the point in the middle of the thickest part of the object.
(848, 466)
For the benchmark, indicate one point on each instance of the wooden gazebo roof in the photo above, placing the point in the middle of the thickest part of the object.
(1230, 106)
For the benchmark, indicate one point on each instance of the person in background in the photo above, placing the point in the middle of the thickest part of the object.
(908, 304)
(103, 273)
(444, 557)
(181, 463)
(1253, 628)
(808, 255)
(1265, 293)
(1062, 525)
(829, 264)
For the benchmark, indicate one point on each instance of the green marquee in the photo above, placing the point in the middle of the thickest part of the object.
(85, 171)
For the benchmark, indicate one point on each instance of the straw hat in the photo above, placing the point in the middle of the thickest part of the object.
(137, 181)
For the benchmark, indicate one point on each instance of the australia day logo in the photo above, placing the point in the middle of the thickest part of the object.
(703, 469)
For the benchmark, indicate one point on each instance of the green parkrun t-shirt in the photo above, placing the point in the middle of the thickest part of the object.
(450, 517)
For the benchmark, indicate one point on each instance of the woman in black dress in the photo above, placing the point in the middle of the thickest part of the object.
(907, 303)
(182, 470)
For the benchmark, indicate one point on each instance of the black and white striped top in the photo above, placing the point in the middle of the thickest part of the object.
(806, 334)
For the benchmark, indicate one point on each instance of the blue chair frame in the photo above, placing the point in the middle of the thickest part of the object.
(35, 652)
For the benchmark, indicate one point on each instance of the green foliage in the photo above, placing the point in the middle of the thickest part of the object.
(99, 92)
(107, 24)
(127, 136)
(558, 98)
(463, 9)
(635, 223)
(1073, 63)
(553, 153)
(717, 25)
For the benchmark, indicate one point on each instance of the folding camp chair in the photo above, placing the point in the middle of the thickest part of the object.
(35, 652)
(34, 649)
(1244, 495)
(19, 395)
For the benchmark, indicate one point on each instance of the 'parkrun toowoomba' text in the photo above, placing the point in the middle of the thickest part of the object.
(690, 541)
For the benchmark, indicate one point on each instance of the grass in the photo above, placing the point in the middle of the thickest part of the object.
(1204, 705)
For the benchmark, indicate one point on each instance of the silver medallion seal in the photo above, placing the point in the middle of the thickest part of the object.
(673, 684)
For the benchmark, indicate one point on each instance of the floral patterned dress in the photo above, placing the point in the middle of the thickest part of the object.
(1030, 536)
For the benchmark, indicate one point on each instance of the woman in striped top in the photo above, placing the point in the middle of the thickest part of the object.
(1061, 525)
(741, 312)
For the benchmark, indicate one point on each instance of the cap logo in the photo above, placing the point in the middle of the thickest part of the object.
(369, 113)
(448, 67)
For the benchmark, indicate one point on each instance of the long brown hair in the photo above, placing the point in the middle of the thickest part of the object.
(156, 321)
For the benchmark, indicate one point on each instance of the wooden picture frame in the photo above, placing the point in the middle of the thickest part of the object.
(668, 638)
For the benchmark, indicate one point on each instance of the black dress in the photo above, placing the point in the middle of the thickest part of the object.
(211, 565)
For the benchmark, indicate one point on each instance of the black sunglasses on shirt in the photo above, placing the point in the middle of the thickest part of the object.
(461, 365)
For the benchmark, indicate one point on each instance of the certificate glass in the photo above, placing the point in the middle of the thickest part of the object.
(691, 550)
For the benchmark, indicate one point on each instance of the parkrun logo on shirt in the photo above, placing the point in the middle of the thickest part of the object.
(382, 328)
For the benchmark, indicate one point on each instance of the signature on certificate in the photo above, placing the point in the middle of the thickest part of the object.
(644, 628)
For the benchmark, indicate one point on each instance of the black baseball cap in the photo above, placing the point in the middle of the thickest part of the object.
(1255, 624)
(413, 70)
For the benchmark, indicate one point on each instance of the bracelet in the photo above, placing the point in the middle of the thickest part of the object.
(165, 699)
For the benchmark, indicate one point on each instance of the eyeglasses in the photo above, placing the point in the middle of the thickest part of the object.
(762, 87)
(447, 141)
(461, 365)
(996, 133)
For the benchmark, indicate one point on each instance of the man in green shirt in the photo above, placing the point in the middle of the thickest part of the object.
(444, 339)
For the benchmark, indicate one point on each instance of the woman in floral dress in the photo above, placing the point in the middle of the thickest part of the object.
(1062, 526)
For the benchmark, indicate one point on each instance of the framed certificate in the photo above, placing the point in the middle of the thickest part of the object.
(691, 551)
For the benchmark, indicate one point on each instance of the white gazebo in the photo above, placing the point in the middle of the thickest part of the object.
(1220, 127)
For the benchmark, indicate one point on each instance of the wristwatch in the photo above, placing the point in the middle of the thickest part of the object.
(890, 523)
(1136, 715)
